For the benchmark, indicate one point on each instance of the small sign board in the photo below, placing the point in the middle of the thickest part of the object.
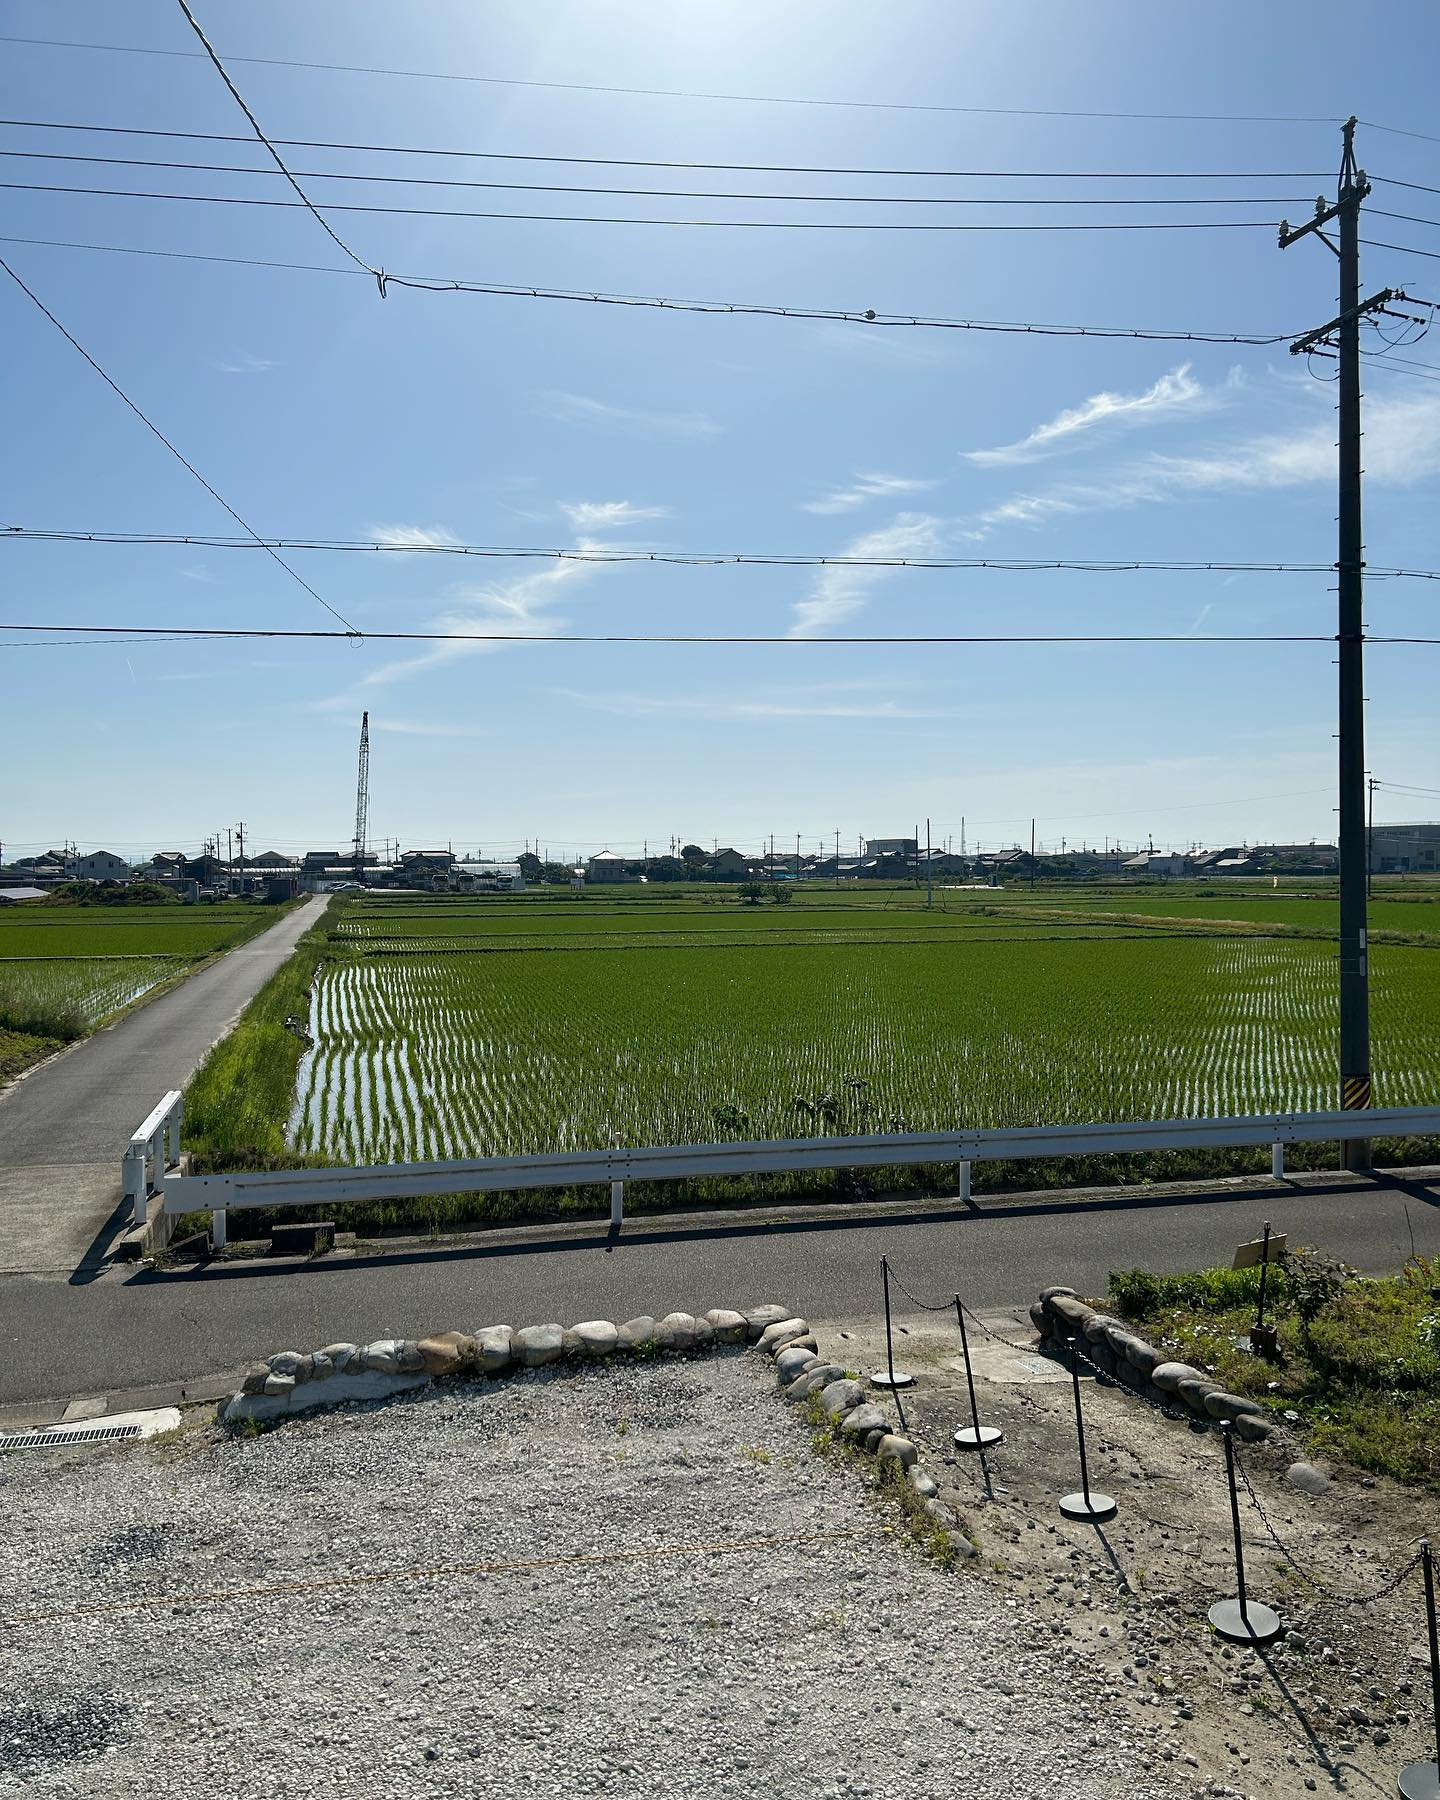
(1250, 1256)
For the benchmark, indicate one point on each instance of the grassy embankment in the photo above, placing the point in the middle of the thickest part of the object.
(1359, 1357)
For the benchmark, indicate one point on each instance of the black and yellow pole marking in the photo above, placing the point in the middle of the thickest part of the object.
(1355, 1093)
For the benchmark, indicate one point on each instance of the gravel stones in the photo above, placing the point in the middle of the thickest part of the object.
(595, 1337)
(536, 1345)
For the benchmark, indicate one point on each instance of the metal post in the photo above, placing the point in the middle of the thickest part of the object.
(217, 1228)
(1243, 1621)
(1277, 1162)
(134, 1183)
(973, 1436)
(965, 1181)
(1421, 1781)
(890, 1376)
(1097, 1507)
(1264, 1270)
(617, 1204)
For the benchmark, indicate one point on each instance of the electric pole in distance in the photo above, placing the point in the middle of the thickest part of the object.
(1343, 332)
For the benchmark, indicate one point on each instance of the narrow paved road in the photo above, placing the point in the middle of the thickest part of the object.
(135, 1328)
(64, 1128)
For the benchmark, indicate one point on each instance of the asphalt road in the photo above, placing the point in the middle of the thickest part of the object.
(64, 1128)
(127, 1330)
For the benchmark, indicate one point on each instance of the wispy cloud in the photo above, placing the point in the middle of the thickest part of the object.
(198, 572)
(826, 700)
(1176, 392)
(609, 515)
(413, 537)
(241, 364)
(429, 728)
(626, 421)
(864, 488)
(1402, 446)
(840, 592)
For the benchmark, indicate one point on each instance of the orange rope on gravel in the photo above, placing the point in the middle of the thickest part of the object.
(219, 1596)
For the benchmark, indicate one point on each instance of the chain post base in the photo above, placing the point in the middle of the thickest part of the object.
(1420, 1781)
(883, 1379)
(969, 1437)
(1092, 1508)
(1256, 1624)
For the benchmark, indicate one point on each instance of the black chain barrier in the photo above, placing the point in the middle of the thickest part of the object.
(1331, 1596)
(1328, 1595)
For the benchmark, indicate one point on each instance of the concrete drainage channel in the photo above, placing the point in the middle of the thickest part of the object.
(112, 1429)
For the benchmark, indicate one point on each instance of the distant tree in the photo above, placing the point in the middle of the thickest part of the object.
(111, 893)
(752, 892)
(555, 874)
(692, 855)
(666, 868)
(780, 894)
(531, 866)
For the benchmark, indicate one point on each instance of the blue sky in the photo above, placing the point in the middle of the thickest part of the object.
(318, 409)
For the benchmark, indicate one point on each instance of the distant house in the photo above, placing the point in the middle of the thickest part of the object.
(891, 846)
(1156, 862)
(1297, 859)
(489, 878)
(99, 865)
(269, 859)
(726, 865)
(606, 865)
(12, 896)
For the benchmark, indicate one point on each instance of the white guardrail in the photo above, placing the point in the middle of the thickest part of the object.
(155, 1146)
(585, 1168)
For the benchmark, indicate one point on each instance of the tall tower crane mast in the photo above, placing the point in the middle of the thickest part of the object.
(362, 798)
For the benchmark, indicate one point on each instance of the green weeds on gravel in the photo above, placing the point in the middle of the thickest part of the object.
(1358, 1359)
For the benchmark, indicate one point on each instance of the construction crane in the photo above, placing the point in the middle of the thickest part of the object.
(362, 798)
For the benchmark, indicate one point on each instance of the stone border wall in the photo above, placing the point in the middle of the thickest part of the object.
(292, 1381)
(1062, 1318)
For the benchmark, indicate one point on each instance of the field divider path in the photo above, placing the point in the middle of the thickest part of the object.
(64, 1127)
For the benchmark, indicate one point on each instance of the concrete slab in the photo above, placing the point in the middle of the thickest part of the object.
(78, 1410)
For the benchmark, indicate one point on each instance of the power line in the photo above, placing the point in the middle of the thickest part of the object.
(238, 98)
(440, 212)
(694, 558)
(527, 291)
(635, 162)
(586, 87)
(184, 461)
(1379, 212)
(1398, 131)
(1404, 249)
(176, 633)
(552, 187)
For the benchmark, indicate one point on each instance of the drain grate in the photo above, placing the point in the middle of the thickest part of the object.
(53, 1439)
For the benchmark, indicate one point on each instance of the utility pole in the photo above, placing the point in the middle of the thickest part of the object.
(240, 834)
(1371, 784)
(1032, 853)
(1343, 331)
(837, 856)
(929, 871)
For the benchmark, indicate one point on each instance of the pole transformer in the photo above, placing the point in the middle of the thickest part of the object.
(362, 798)
(1341, 338)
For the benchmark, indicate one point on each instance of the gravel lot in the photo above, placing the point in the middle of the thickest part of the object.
(851, 1667)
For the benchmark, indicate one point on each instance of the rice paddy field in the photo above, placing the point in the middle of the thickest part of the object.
(66, 969)
(447, 1027)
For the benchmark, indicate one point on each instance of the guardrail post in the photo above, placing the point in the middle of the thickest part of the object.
(617, 1204)
(172, 1132)
(964, 1181)
(217, 1228)
(1277, 1162)
(133, 1174)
